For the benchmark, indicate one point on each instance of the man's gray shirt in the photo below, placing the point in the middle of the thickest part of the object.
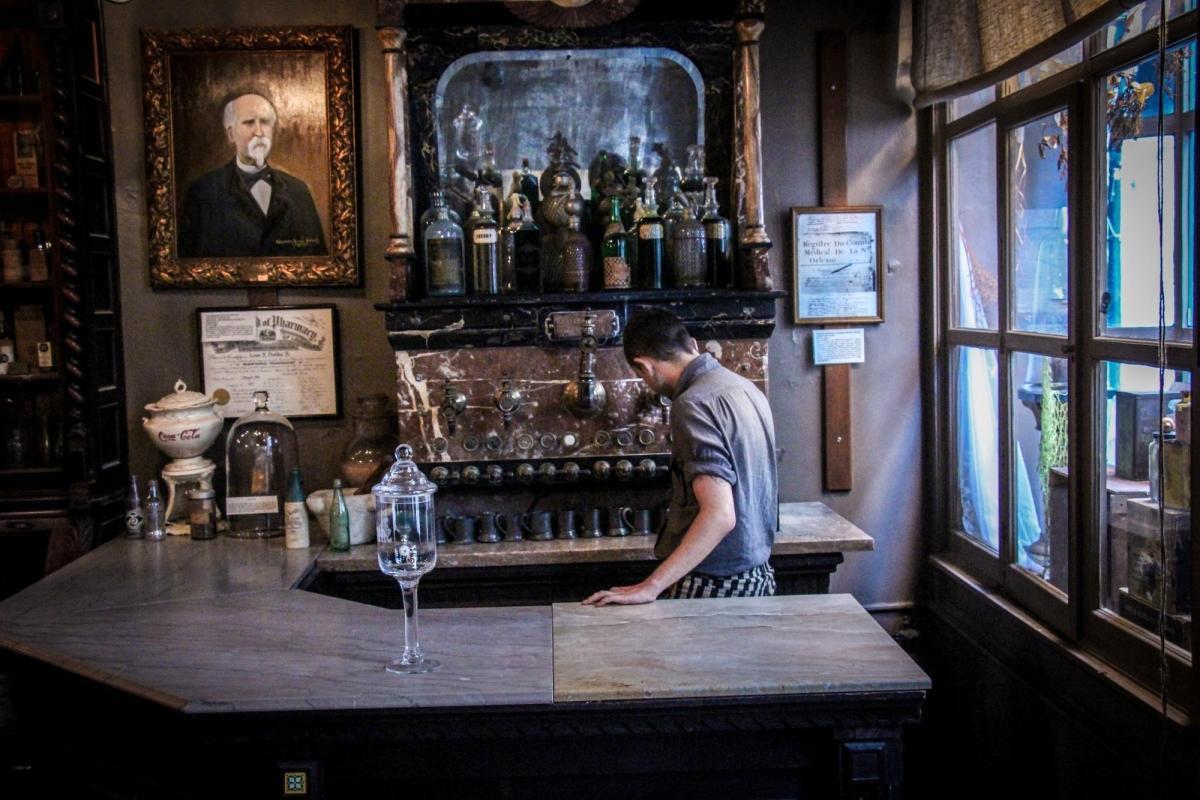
(721, 426)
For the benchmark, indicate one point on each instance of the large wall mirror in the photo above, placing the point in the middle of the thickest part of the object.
(597, 98)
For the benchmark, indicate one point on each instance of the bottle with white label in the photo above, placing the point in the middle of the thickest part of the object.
(651, 246)
(295, 515)
(260, 454)
(485, 245)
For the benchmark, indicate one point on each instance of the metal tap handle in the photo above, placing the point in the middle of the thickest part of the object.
(508, 400)
(454, 403)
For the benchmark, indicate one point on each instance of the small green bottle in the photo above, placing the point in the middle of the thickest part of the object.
(339, 520)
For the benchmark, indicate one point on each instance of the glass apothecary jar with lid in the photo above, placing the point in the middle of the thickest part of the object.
(260, 453)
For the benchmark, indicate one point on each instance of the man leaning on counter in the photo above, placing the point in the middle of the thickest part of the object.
(723, 513)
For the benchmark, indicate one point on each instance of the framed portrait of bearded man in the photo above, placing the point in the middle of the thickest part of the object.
(250, 157)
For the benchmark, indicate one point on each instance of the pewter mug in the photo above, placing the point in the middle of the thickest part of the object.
(538, 525)
(510, 526)
(592, 524)
(566, 524)
(620, 519)
(643, 522)
(459, 530)
(489, 532)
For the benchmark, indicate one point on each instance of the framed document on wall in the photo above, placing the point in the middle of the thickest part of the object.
(837, 265)
(289, 351)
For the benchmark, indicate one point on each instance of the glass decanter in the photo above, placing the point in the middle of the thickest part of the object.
(260, 453)
(406, 546)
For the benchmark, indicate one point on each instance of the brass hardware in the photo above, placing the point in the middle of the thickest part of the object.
(571, 471)
(570, 441)
(508, 400)
(624, 469)
(585, 397)
(624, 439)
(548, 441)
(454, 403)
(524, 473)
(439, 475)
(470, 474)
(601, 469)
(646, 437)
(547, 472)
(646, 468)
(495, 474)
(524, 442)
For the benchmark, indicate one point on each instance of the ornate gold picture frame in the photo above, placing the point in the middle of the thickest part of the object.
(250, 157)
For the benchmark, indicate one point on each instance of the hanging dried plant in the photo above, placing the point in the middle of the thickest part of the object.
(1126, 97)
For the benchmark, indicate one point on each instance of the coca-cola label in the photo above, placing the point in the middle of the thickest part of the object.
(268, 504)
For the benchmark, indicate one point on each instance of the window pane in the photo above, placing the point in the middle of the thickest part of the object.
(1140, 19)
(961, 106)
(973, 215)
(1037, 177)
(1039, 463)
(1051, 66)
(1131, 560)
(976, 510)
(1129, 279)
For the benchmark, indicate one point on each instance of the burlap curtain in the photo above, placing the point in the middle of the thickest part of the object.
(960, 46)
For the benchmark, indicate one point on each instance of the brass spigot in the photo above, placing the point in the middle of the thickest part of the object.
(585, 397)
(454, 403)
(508, 400)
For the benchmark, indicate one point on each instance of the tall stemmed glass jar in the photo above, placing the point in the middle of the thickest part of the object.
(406, 545)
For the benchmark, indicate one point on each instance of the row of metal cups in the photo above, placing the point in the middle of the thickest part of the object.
(567, 523)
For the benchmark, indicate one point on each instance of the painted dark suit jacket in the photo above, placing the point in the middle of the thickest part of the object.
(222, 219)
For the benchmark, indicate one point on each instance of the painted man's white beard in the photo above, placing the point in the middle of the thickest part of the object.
(258, 151)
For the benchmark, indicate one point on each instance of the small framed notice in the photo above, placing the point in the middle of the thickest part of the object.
(288, 351)
(837, 258)
(839, 346)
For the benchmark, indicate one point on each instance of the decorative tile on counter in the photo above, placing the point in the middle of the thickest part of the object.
(129, 572)
(787, 645)
(295, 651)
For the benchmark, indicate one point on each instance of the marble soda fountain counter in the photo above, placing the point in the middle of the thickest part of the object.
(218, 628)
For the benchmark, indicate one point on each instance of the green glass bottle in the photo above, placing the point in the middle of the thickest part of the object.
(339, 520)
(614, 250)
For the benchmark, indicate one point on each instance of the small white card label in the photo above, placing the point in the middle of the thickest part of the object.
(251, 505)
(839, 346)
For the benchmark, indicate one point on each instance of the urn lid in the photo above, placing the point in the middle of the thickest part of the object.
(403, 479)
(182, 399)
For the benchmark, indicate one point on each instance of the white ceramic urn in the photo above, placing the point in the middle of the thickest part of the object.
(183, 424)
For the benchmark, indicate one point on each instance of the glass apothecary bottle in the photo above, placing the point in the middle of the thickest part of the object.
(577, 257)
(690, 261)
(615, 250)
(651, 247)
(445, 261)
(716, 237)
(405, 525)
(373, 442)
(260, 453)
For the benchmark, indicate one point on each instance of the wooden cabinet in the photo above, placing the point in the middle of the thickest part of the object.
(63, 465)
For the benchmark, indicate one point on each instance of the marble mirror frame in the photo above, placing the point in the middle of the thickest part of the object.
(404, 115)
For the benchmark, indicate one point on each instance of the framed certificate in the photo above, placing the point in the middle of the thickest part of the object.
(288, 351)
(837, 265)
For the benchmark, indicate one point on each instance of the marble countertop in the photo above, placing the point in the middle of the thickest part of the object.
(804, 528)
(218, 626)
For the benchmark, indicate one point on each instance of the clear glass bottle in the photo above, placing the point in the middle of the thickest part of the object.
(633, 170)
(651, 247)
(438, 198)
(614, 250)
(528, 186)
(671, 217)
(155, 513)
(716, 238)
(135, 518)
(445, 267)
(688, 245)
(339, 519)
(485, 245)
(492, 181)
(693, 173)
(260, 454)
(373, 442)
(295, 523)
(577, 256)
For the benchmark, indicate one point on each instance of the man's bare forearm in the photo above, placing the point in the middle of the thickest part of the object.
(703, 535)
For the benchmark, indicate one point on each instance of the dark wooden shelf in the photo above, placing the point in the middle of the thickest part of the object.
(21, 99)
(19, 472)
(24, 192)
(32, 377)
(44, 285)
(520, 319)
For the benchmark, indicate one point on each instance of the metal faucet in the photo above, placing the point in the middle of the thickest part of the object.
(508, 400)
(585, 397)
(454, 403)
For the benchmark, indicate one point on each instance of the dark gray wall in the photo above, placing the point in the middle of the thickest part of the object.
(160, 336)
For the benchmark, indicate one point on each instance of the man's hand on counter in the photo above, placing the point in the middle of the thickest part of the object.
(643, 592)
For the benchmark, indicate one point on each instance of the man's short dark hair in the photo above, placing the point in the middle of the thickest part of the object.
(658, 334)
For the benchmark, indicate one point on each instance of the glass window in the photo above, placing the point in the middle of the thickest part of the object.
(961, 106)
(1039, 429)
(1141, 18)
(1130, 552)
(973, 214)
(1051, 66)
(977, 446)
(1037, 184)
(1129, 272)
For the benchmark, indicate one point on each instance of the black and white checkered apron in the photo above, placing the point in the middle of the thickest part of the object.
(757, 582)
